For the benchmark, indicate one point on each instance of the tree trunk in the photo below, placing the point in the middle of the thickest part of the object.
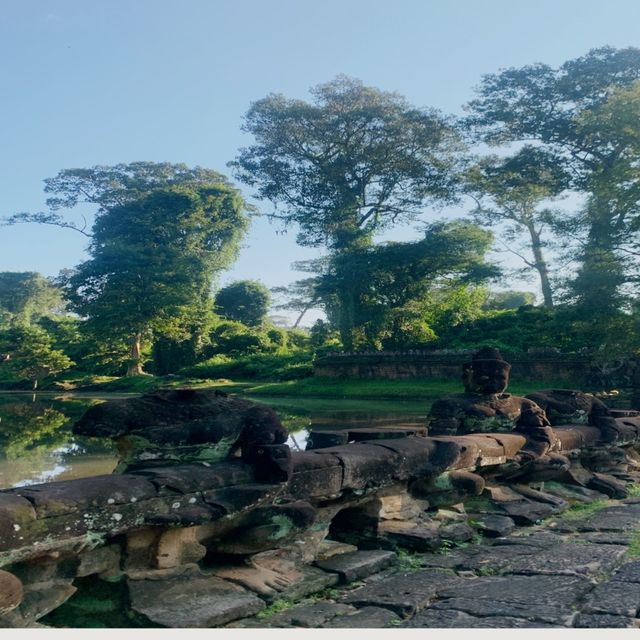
(541, 266)
(135, 365)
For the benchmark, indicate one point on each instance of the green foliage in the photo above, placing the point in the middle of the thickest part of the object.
(503, 300)
(363, 160)
(153, 260)
(584, 115)
(585, 509)
(245, 301)
(26, 297)
(258, 367)
(31, 354)
(407, 561)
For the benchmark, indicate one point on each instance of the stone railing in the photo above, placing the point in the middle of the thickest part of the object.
(543, 367)
(169, 532)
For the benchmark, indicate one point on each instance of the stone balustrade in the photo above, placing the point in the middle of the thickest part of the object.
(160, 522)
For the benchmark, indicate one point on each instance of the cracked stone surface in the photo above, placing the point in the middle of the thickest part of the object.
(405, 593)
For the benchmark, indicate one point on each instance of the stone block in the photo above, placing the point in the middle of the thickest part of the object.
(366, 465)
(629, 572)
(11, 592)
(43, 597)
(323, 439)
(417, 456)
(571, 559)
(608, 485)
(357, 565)
(102, 560)
(198, 477)
(453, 619)
(175, 547)
(405, 593)
(98, 492)
(493, 525)
(140, 547)
(410, 535)
(234, 499)
(365, 618)
(598, 621)
(316, 474)
(16, 515)
(192, 601)
(614, 598)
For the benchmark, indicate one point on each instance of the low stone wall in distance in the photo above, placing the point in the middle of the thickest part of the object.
(574, 369)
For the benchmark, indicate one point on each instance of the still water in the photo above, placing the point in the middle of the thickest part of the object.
(36, 443)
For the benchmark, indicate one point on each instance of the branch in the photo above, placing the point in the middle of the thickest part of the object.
(44, 218)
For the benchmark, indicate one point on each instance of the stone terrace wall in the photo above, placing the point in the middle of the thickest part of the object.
(552, 367)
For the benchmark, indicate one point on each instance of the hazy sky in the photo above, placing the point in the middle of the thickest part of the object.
(86, 82)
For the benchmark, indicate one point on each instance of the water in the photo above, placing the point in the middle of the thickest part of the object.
(36, 443)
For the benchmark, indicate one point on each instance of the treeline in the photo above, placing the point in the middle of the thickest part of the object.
(343, 169)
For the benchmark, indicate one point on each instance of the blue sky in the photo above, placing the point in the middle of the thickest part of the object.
(100, 82)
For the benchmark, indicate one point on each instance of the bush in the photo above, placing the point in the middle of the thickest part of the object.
(254, 367)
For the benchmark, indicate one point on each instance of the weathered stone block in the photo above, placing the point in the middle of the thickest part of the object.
(358, 564)
(323, 439)
(62, 498)
(11, 592)
(198, 477)
(192, 602)
(234, 499)
(178, 546)
(406, 594)
(103, 560)
(16, 514)
(365, 618)
(614, 598)
(366, 465)
(571, 559)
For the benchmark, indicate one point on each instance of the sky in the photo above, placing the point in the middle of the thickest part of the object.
(87, 83)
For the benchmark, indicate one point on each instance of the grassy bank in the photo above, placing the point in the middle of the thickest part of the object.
(314, 387)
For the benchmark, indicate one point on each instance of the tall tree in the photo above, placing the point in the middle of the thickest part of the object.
(511, 193)
(568, 110)
(153, 260)
(352, 163)
(246, 301)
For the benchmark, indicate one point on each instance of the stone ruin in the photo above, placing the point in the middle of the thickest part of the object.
(211, 516)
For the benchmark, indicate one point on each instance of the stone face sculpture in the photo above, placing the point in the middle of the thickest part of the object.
(184, 425)
(485, 407)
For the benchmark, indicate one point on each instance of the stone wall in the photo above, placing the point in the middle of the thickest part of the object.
(572, 369)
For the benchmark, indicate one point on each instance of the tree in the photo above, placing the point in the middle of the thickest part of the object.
(27, 296)
(153, 260)
(582, 116)
(393, 284)
(246, 301)
(509, 192)
(111, 186)
(352, 163)
(31, 355)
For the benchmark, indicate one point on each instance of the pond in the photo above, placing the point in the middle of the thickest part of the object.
(36, 443)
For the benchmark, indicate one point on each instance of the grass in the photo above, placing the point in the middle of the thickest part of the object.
(585, 509)
(633, 551)
(275, 607)
(407, 561)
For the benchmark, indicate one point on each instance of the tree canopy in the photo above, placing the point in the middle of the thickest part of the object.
(246, 301)
(585, 114)
(351, 163)
(153, 259)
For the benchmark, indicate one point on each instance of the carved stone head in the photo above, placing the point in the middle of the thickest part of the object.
(487, 373)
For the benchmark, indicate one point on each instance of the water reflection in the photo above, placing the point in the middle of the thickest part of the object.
(36, 443)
